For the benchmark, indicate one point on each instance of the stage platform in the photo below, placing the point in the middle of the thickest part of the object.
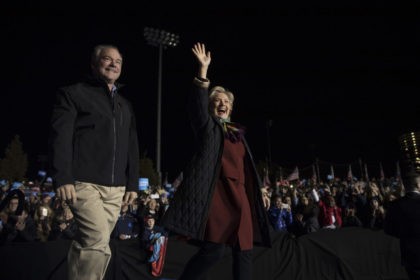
(343, 254)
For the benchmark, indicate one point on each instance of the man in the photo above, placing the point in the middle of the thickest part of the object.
(402, 220)
(127, 226)
(95, 159)
(18, 225)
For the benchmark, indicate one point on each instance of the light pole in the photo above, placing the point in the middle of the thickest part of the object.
(161, 39)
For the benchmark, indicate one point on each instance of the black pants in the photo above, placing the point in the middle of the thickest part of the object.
(209, 254)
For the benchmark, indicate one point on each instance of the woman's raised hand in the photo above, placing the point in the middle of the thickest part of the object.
(203, 58)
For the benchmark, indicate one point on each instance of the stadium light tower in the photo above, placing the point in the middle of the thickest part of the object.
(161, 39)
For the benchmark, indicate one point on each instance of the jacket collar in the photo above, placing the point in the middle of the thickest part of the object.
(93, 80)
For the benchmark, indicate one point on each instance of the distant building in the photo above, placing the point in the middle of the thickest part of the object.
(410, 148)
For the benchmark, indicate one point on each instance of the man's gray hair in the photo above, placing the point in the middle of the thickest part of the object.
(97, 52)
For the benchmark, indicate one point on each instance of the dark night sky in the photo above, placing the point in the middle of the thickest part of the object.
(338, 83)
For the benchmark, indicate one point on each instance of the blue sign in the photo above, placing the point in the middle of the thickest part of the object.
(16, 185)
(143, 184)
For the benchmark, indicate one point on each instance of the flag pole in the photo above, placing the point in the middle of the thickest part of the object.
(317, 170)
(361, 169)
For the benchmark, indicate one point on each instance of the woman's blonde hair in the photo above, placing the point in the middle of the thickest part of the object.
(220, 89)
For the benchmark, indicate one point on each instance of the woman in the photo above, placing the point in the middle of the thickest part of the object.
(280, 214)
(219, 202)
(306, 215)
(44, 216)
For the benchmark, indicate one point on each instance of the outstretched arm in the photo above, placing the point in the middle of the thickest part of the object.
(203, 58)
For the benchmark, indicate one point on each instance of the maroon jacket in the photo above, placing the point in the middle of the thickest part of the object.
(326, 212)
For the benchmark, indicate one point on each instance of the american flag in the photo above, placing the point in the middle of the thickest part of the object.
(381, 172)
(266, 182)
(314, 178)
(398, 173)
(366, 173)
(165, 180)
(350, 174)
(178, 180)
(294, 175)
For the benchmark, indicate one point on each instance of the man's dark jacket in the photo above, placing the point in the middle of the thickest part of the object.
(402, 220)
(188, 210)
(93, 137)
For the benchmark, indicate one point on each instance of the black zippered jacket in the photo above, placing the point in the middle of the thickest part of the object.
(93, 137)
(187, 212)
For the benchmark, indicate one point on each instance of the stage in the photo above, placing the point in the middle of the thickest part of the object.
(348, 253)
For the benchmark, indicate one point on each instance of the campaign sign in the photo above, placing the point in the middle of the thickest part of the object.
(143, 184)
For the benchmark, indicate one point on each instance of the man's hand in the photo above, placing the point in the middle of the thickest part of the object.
(67, 193)
(129, 197)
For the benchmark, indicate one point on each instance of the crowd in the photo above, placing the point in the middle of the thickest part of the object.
(34, 216)
(298, 207)
(312, 206)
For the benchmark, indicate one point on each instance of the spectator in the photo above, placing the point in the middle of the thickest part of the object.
(127, 226)
(152, 238)
(350, 218)
(17, 228)
(63, 226)
(43, 221)
(329, 213)
(306, 216)
(376, 214)
(46, 199)
(152, 207)
(280, 214)
(33, 203)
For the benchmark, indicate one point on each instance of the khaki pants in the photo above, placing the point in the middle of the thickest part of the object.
(96, 212)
